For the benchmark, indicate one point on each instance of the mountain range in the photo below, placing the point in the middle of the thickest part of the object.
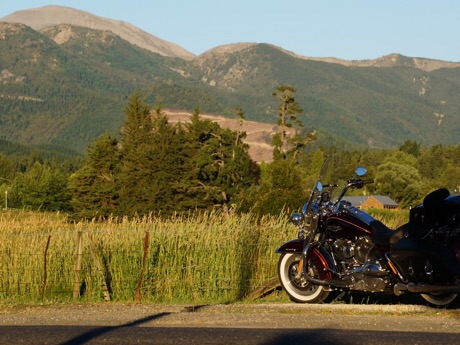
(66, 75)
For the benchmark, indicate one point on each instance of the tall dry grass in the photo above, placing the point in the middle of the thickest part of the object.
(195, 258)
(201, 258)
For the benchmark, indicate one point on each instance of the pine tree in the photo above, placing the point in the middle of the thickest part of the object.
(135, 174)
(288, 112)
(221, 163)
(162, 168)
(280, 189)
(151, 152)
(167, 159)
(41, 188)
(93, 186)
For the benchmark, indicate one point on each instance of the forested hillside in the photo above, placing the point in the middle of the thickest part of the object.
(160, 168)
(375, 106)
(66, 85)
(71, 93)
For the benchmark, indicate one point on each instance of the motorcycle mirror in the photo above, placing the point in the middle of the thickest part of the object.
(319, 186)
(360, 171)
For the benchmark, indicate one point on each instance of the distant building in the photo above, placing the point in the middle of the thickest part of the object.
(372, 201)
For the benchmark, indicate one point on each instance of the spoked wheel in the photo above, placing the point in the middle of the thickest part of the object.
(439, 299)
(298, 288)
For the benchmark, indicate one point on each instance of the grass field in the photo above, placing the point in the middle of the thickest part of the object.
(205, 258)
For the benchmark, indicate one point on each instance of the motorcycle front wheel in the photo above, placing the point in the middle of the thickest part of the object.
(299, 289)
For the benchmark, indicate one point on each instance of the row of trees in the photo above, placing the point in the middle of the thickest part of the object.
(155, 166)
(160, 167)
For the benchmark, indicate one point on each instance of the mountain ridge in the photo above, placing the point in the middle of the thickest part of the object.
(66, 84)
(51, 15)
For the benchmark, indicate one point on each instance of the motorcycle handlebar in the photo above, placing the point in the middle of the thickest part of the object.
(360, 183)
(353, 184)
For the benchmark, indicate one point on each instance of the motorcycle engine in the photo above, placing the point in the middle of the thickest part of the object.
(358, 251)
(359, 264)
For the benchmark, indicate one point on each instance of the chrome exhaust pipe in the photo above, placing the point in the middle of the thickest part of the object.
(401, 288)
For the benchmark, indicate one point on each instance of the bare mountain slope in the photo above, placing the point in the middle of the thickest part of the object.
(258, 135)
(390, 60)
(43, 17)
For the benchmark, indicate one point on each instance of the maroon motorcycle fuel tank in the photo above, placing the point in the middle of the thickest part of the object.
(348, 222)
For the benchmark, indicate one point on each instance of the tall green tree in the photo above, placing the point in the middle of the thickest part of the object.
(411, 147)
(164, 168)
(94, 187)
(288, 113)
(431, 162)
(167, 163)
(7, 169)
(401, 182)
(41, 188)
(279, 190)
(220, 163)
(144, 148)
(450, 178)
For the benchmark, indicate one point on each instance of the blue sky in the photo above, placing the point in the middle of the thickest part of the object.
(347, 29)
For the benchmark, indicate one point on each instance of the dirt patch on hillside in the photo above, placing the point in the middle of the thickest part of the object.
(258, 135)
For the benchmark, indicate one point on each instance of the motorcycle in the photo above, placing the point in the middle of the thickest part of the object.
(342, 248)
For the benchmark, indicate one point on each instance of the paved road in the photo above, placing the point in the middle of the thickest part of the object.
(200, 336)
(268, 324)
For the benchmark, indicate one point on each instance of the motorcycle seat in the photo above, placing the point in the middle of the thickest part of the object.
(383, 235)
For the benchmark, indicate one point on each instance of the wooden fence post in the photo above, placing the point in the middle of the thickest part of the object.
(79, 253)
(144, 259)
(97, 262)
(44, 266)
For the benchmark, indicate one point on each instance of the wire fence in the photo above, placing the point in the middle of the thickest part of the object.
(196, 259)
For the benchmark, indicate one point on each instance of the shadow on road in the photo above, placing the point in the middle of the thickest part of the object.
(351, 337)
(94, 333)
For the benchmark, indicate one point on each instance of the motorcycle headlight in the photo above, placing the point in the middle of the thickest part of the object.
(297, 219)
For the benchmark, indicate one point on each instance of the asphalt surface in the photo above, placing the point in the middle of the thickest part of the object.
(265, 323)
(194, 336)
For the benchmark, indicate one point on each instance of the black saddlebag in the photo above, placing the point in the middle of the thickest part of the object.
(424, 260)
(432, 216)
(438, 208)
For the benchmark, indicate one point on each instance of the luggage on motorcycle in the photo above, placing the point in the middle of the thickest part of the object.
(452, 205)
(431, 211)
(421, 254)
(424, 260)
(438, 210)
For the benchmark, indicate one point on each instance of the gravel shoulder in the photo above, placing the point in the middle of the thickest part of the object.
(411, 318)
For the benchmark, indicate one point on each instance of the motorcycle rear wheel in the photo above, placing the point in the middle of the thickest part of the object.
(439, 300)
(299, 289)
